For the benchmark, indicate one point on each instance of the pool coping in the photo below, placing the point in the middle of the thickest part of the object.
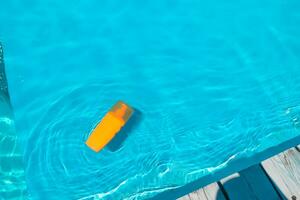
(232, 167)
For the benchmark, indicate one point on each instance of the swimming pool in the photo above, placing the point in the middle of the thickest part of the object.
(215, 84)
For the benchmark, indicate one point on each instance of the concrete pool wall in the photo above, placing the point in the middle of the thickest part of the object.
(12, 175)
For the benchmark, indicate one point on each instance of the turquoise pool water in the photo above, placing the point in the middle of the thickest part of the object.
(213, 83)
(12, 175)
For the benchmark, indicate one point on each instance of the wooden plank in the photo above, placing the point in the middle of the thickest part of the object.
(213, 191)
(236, 187)
(251, 183)
(186, 197)
(198, 194)
(259, 183)
(284, 170)
(210, 192)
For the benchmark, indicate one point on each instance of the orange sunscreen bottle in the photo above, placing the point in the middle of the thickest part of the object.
(109, 126)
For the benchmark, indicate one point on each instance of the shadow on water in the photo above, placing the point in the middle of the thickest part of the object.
(117, 142)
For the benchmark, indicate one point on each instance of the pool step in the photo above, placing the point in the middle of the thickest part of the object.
(16, 194)
(7, 144)
(11, 164)
(12, 175)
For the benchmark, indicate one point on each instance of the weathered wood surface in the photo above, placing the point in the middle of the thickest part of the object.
(284, 170)
(210, 192)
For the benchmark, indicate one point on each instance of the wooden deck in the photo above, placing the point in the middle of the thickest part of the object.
(275, 178)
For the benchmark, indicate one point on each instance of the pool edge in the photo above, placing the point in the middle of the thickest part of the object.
(232, 167)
